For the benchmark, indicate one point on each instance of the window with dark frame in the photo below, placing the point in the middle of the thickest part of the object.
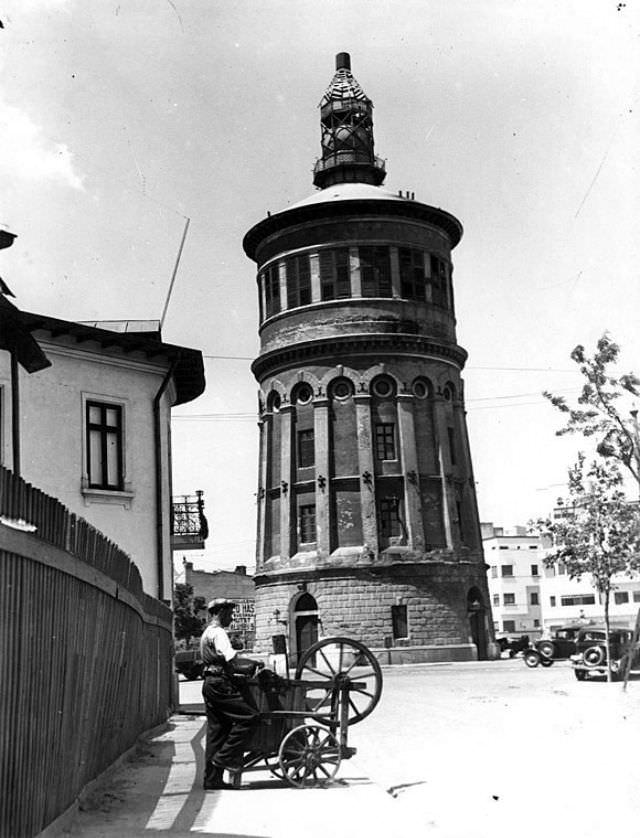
(298, 272)
(535, 600)
(438, 281)
(413, 281)
(508, 625)
(385, 438)
(399, 622)
(509, 599)
(534, 570)
(496, 599)
(375, 271)
(104, 446)
(307, 518)
(388, 517)
(335, 274)
(620, 597)
(506, 570)
(272, 290)
(306, 449)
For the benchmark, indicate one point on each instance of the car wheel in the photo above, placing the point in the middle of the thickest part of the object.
(546, 648)
(546, 662)
(594, 656)
(531, 659)
(580, 674)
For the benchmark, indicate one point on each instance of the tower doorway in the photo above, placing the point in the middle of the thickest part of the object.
(305, 620)
(476, 611)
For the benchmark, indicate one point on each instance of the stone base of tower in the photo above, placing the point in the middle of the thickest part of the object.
(405, 613)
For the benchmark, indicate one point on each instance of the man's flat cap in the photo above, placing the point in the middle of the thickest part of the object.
(218, 604)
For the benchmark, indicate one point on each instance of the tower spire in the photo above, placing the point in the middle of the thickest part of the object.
(346, 124)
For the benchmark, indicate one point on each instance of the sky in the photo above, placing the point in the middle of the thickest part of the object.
(121, 120)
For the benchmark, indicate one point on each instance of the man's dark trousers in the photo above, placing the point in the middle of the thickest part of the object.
(230, 723)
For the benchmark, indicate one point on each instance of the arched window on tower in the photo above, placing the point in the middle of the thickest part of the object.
(304, 449)
(384, 422)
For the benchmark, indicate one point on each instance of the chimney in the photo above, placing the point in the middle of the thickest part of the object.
(343, 61)
(241, 570)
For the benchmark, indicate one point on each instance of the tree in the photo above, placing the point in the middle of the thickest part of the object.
(186, 622)
(599, 412)
(597, 531)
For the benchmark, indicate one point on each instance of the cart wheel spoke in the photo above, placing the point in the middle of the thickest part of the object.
(326, 660)
(318, 672)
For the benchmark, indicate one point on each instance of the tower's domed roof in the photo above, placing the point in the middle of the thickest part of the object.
(348, 192)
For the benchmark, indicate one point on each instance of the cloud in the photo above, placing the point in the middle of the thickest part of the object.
(27, 154)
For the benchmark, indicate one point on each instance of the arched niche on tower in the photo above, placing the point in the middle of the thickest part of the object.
(345, 529)
(343, 442)
(423, 419)
(273, 473)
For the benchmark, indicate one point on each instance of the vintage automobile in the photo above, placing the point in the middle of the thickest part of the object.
(590, 657)
(512, 646)
(560, 646)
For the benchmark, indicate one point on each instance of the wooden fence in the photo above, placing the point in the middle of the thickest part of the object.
(85, 657)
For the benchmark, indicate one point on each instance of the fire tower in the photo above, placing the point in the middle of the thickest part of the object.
(367, 516)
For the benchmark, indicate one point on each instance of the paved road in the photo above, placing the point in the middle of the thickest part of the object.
(491, 750)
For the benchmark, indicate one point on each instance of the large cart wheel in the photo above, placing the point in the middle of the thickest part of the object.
(309, 756)
(334, 661)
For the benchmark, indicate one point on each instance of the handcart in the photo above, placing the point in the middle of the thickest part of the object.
(304, 721)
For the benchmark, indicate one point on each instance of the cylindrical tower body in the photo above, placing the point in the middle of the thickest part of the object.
(367, 515)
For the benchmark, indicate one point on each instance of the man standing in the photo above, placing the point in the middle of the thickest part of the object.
(230, 720)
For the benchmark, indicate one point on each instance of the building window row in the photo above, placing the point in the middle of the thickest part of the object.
(422, 277)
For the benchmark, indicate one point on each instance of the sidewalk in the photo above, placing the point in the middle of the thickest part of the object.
(159, 792)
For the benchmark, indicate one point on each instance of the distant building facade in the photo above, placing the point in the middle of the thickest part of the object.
(515, 572)
(235, 585)
(528, 597)
(367, 514)
(93, 429)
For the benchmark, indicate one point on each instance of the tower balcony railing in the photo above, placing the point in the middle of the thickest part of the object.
(348, 158)
(189, 528)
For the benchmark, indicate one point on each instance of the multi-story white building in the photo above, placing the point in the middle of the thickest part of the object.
(514, 576)
(565, 600)
(528, 597)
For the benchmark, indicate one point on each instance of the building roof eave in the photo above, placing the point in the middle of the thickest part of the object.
(189, 363)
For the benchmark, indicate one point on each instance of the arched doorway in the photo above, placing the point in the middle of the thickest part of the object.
(477, 621)
(305, 623)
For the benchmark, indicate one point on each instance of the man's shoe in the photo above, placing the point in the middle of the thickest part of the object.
(216, 781)
(217, 785)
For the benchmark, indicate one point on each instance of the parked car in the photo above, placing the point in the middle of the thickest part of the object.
(513, 645)
(590, 657)
(560, 646)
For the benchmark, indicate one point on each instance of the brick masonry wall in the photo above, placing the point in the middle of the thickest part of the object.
(358, 604)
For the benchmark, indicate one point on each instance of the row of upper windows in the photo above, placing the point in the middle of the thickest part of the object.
(364, 271)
